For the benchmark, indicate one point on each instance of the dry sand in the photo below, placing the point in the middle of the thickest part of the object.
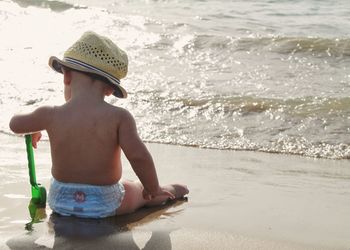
(237, 200)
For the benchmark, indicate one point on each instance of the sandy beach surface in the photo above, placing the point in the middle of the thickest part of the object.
(237, 200)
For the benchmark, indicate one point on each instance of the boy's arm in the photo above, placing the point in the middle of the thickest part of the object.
(33, 122)
(138, 156)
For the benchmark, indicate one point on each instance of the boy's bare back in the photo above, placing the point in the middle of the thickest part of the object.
(85, 142)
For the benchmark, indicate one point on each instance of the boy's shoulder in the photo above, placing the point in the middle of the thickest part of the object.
(118, 110)
(122, 114)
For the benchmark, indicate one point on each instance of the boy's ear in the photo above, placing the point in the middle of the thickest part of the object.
(67, 76)
(108, 90)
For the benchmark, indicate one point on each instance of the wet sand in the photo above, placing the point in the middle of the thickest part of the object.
(237, 200)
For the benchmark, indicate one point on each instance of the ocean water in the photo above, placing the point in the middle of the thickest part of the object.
(271, 76)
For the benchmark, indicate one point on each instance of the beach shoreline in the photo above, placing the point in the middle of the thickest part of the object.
(244, 200)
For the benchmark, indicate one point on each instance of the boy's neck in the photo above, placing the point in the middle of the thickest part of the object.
(85, 89)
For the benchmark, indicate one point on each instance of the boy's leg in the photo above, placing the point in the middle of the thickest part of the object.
(133, 198)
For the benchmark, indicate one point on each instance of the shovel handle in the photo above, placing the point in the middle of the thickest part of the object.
(31, 163)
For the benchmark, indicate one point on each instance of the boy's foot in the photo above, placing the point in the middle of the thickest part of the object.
(178, 190)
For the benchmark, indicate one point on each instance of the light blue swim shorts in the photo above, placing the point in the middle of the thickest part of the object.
(87, 201)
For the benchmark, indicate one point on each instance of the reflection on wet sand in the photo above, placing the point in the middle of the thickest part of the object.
(109, 233)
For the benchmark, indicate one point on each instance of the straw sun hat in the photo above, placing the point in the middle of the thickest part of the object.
(96, 54)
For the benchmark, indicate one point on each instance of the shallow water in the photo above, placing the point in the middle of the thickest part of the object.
(246, 75)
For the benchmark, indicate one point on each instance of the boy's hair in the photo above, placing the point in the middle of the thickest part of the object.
(93, 76)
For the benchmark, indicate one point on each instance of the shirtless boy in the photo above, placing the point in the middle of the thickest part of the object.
(87, 135)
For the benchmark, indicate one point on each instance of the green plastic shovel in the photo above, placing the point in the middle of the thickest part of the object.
(38, 191)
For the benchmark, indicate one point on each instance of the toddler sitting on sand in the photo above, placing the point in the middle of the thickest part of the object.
(87, 135)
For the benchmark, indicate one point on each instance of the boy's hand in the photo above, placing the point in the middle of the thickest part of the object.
(161, 192)
(35, 139)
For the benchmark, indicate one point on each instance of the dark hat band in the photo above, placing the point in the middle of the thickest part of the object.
(88, 66)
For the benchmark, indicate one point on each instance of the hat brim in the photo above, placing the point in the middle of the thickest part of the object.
(56, 64)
